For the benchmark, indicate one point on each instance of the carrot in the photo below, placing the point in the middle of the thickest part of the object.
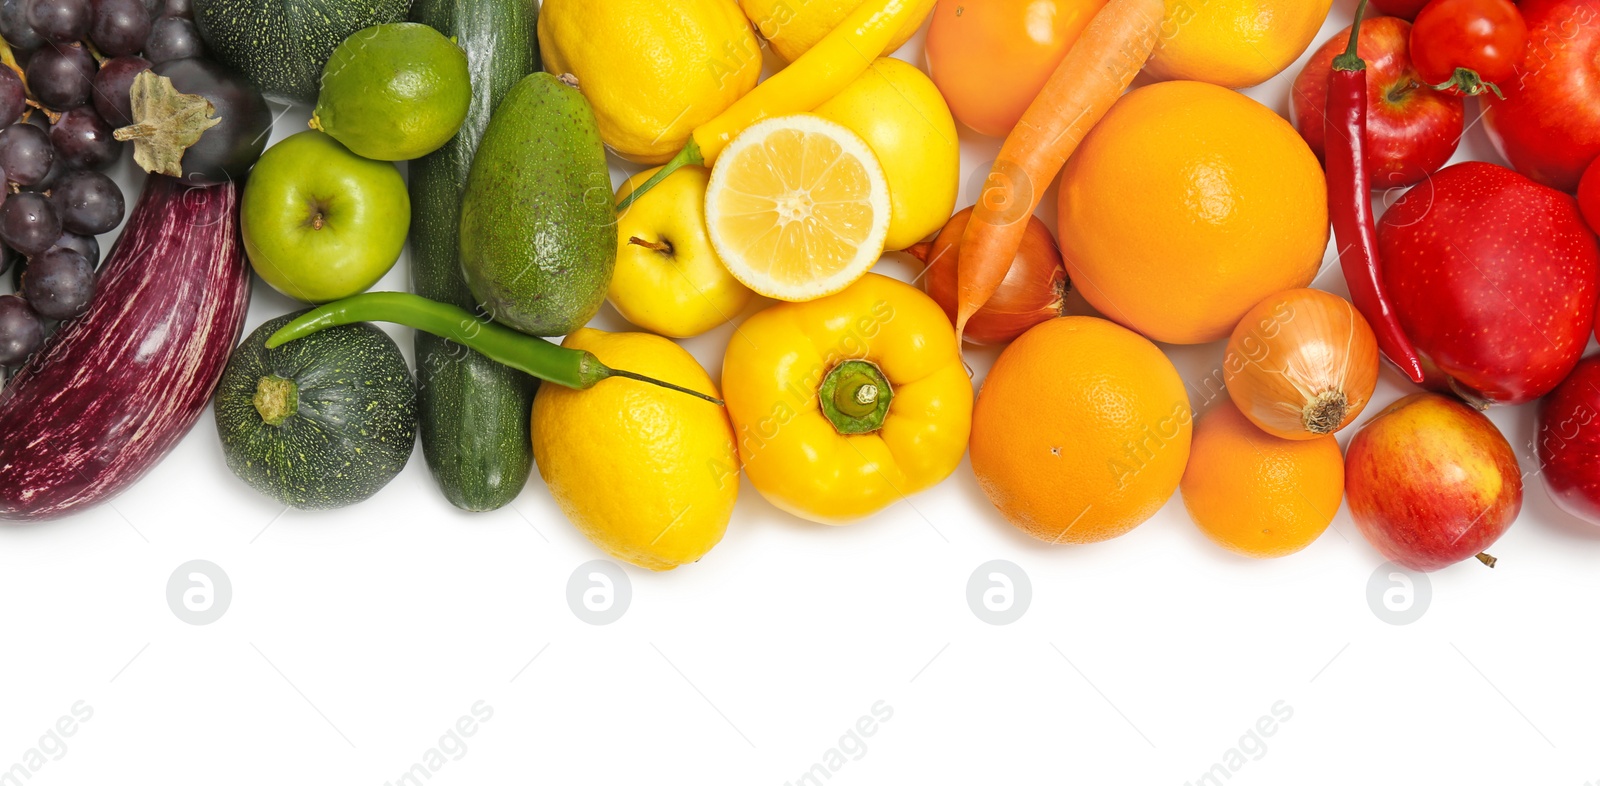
(1095, 72)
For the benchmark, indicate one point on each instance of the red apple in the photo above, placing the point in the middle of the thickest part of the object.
(1548, 126)
(1405, 9)
(1411, 130)
(1589, 195)
(1431, 482)
(1494, 278)
(1569, 442)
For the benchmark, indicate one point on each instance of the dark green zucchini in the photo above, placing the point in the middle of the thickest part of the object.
(282, 45)
(474, 411)
(318, 423)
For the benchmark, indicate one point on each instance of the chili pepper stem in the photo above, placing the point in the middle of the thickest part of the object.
(689, 155)
(1351, 60)
(612, 372)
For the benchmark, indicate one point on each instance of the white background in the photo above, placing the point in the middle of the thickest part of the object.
(357, 638)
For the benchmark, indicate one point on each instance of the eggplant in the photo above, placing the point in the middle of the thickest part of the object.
(116, 389)
(216, 145)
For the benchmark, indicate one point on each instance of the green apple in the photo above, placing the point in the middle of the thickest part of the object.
(321, 223)
(668, 279)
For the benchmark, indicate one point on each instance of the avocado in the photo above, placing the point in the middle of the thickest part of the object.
(538, 225)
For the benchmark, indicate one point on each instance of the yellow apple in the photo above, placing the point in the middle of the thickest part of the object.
(669, 280)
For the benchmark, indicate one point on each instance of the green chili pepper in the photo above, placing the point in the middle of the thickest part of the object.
(573, 368)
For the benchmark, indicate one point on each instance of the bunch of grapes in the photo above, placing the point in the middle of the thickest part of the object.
(75, 65)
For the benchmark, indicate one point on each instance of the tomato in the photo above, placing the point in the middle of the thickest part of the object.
(990, 58)
(1589, 196)
(1469, 46)
(1405, 9)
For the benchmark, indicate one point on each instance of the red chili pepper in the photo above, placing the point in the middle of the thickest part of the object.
(1350, 204)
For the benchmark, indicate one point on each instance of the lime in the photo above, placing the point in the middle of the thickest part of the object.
(394, 92)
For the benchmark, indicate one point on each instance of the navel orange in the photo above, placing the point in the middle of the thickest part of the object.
(1187, 205)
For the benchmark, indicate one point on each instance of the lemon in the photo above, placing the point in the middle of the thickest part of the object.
(794, 26)
(899, 112)
(1234, 43)
(648, 474)
(798, 207)
(653, 71)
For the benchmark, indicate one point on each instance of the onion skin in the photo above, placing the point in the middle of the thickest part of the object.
(1301, 364)
(1034, 290)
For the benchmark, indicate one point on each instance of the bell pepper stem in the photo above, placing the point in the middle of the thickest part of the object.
(855, 397)
(572, 368)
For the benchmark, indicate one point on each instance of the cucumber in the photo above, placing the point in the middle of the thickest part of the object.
(473, 412)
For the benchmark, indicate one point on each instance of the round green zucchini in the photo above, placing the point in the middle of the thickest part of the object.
(318, 423)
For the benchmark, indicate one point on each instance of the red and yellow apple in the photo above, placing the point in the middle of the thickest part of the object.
(1431, 482)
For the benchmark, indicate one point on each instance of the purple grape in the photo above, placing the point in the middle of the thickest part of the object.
(21, 330)
(25, 153)
(120, 26)
(112, 87)
(88, 203)
(13, 97)
(180, 8)
(153, 8)
(62, 76)
(59, 284)
(14, 26)
(83, 244)
(83, 140)
(57, 170)
(28, 223)
(60, 21)
(172, 38)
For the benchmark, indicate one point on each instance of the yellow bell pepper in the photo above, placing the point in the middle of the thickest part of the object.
(849, 403)
(821, 73)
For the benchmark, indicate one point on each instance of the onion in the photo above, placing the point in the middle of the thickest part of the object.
(1034, 291)
(1301, 364)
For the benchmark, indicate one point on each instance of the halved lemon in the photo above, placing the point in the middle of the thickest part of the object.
(798, 207)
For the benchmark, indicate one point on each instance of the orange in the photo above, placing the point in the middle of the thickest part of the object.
(1187, 205)
(1234, 43)
(1256, 494)
(1081, 431)
(990, 58)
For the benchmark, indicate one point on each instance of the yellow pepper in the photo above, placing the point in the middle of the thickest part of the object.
(837, 60)
(849, 403)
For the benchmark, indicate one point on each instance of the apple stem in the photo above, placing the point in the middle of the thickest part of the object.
(1404, 90)
(1472, 397)
(1484, 557)
(317, 221)
(660, 248)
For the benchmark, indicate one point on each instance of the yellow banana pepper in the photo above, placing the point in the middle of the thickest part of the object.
(837, 60)
(849, 403)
